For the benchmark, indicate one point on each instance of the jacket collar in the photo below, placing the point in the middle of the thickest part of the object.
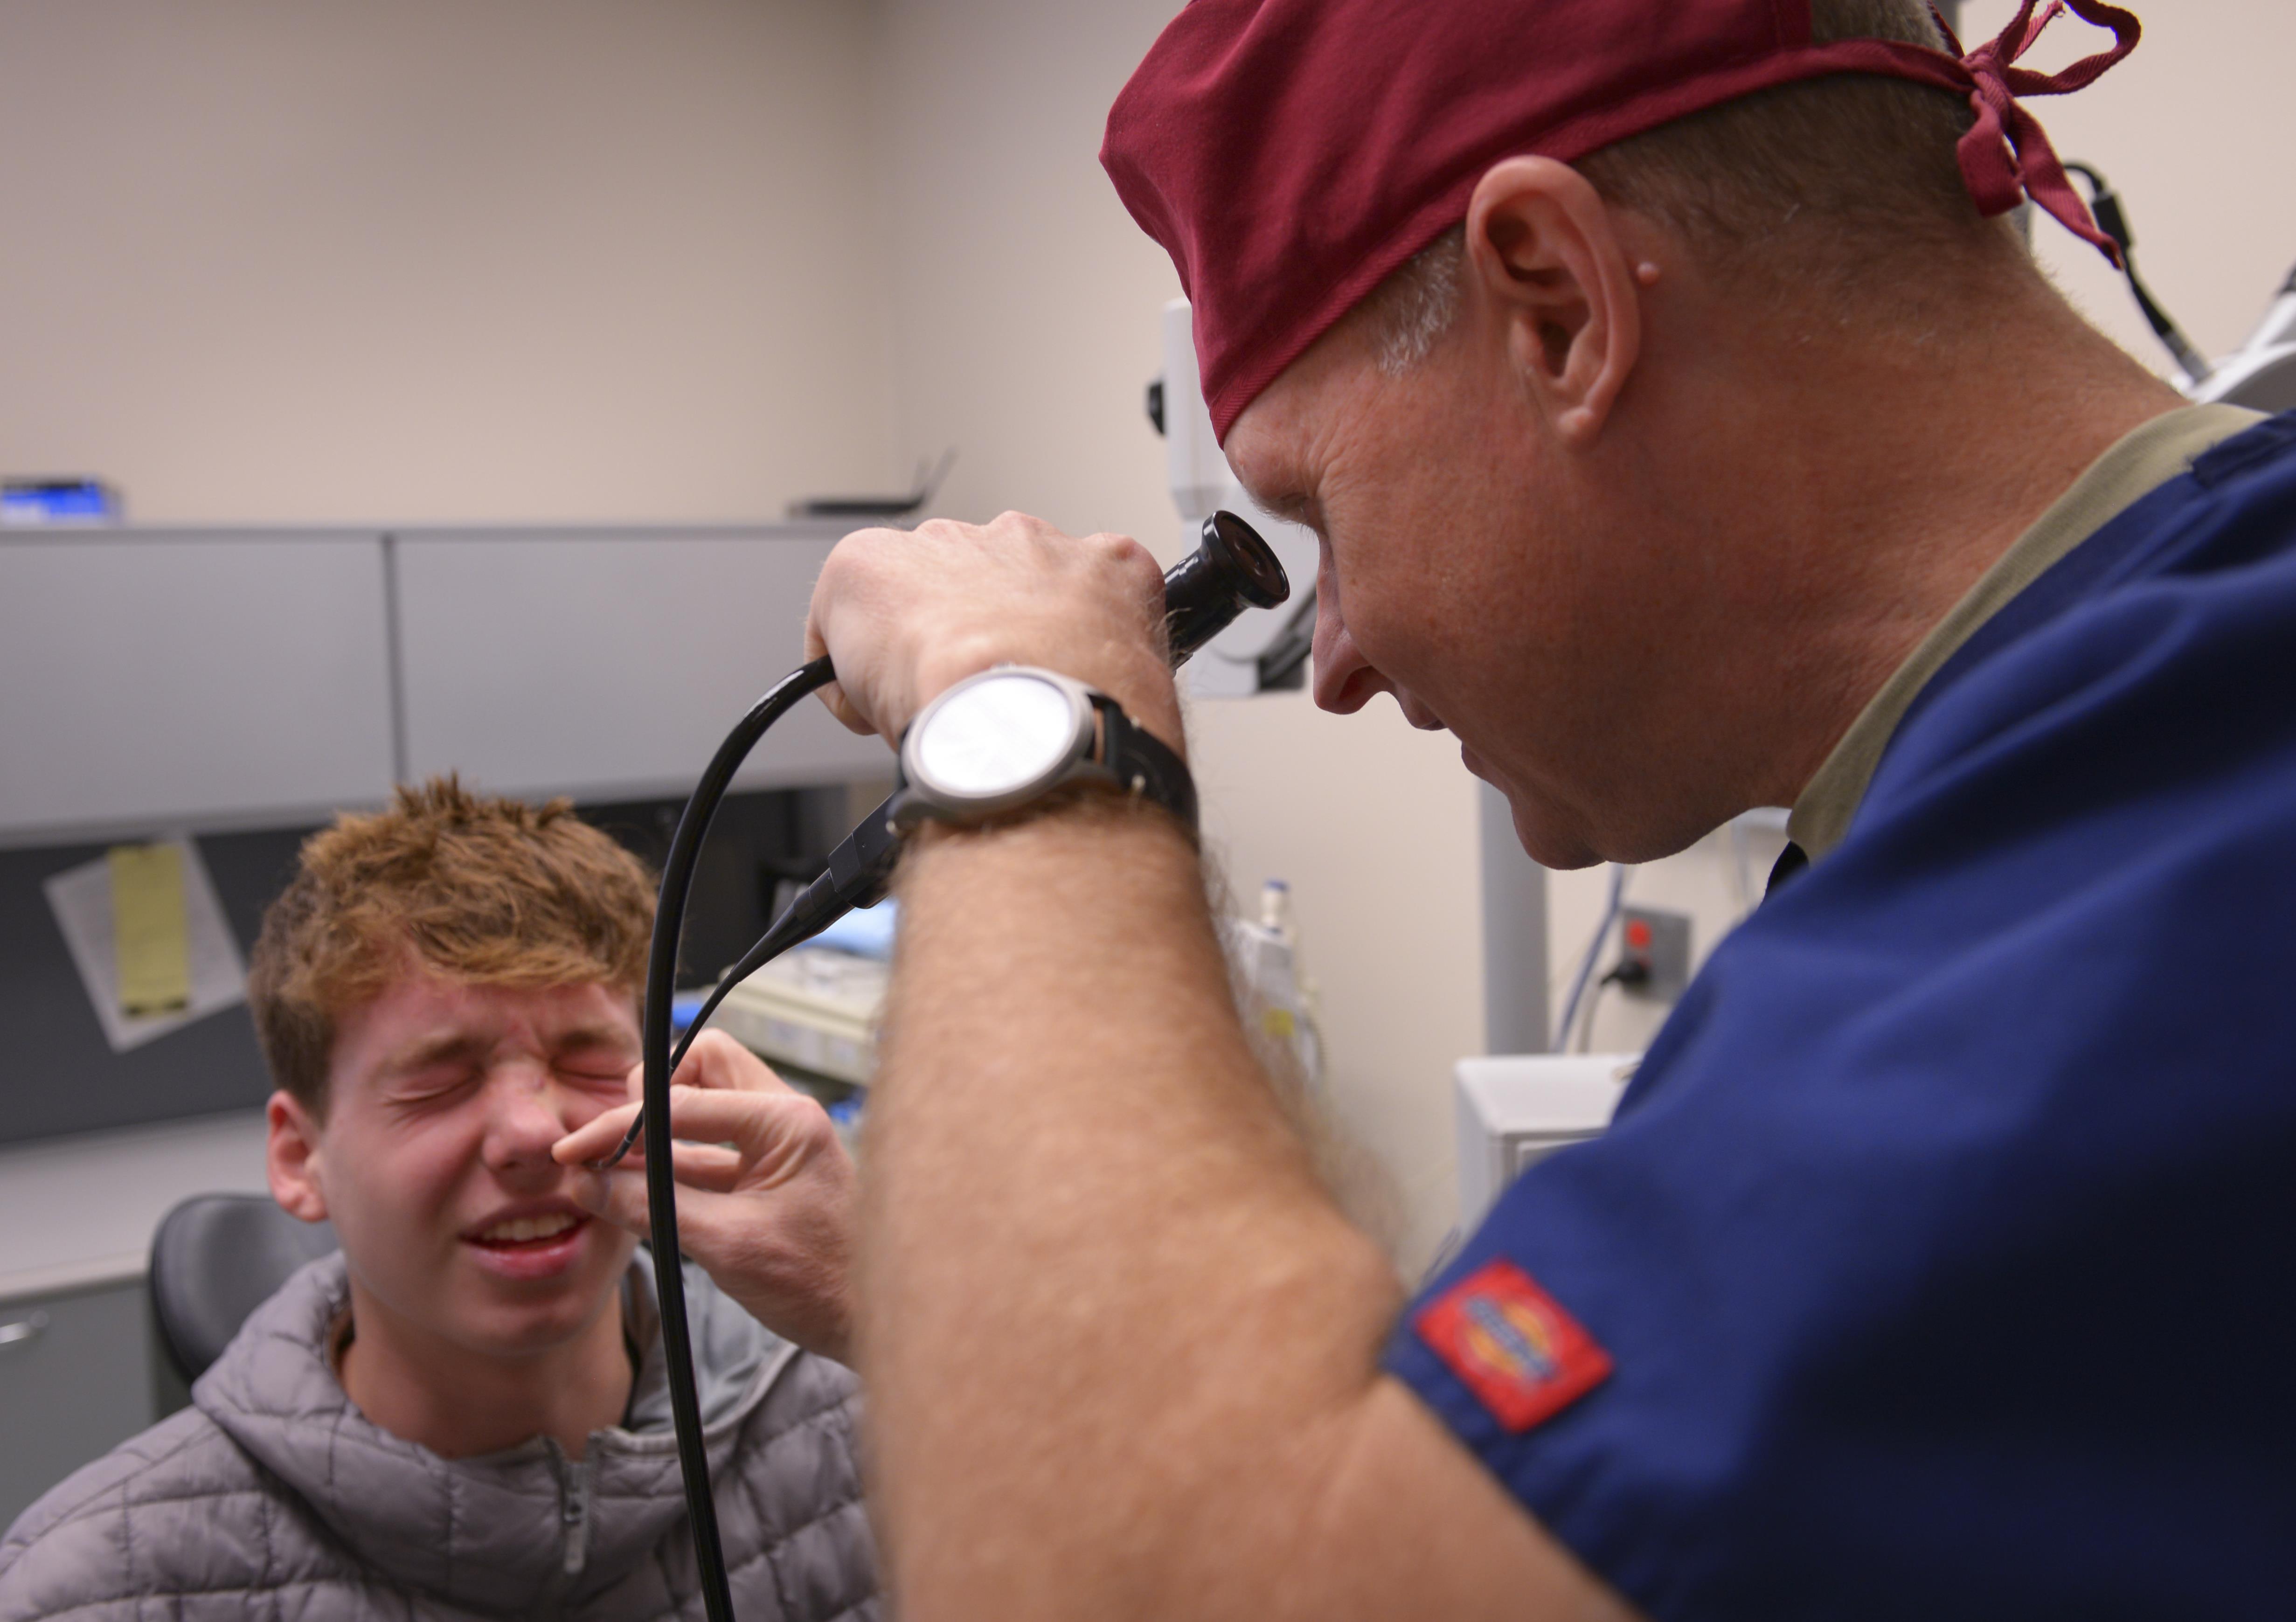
(503, 1531)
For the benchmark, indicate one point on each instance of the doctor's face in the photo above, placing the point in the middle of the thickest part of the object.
(433, 1161)
(1456, 571)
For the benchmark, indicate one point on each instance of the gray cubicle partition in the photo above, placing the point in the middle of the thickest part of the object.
(60, 1076)
(224, 678)
(240, 685)
(151, 676)
(635, 651)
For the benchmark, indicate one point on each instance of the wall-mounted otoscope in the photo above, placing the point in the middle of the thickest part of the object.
(1232, 569)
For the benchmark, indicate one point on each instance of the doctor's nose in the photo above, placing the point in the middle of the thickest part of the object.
(1345, 680)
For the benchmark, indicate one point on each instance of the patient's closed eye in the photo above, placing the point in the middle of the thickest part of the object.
(440, 1082)
(596, 1063)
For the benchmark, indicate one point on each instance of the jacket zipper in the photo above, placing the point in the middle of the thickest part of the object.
(575, 1513)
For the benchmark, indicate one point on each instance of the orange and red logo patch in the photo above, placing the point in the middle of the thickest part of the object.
(1523, 1356)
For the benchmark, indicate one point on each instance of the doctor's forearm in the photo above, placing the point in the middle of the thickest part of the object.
(1108, 1217)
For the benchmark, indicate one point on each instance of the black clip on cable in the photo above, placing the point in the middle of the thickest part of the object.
(1232, 569)
(2104, 208)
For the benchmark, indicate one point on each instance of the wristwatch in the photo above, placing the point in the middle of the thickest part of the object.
(999, 740)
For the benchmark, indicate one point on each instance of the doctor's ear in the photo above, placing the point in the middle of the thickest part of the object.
(1543, 256)
(290, 1154)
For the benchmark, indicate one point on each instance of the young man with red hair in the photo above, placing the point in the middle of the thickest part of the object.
(463, 1412)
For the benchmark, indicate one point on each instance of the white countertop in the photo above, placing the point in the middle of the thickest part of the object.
(79, 1211)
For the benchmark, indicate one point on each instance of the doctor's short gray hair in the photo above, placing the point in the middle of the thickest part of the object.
(1829, 181)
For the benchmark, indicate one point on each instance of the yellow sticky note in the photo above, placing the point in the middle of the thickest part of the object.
(151, 940)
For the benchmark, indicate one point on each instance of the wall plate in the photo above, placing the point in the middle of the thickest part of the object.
(1660, 942)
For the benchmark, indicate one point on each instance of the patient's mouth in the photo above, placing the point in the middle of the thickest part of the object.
(527, 1230)
(530, 1246)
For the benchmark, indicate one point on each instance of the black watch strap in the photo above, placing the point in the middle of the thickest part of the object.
(1142, 763)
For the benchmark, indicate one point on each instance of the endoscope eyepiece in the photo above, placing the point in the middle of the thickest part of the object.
(1232, 569)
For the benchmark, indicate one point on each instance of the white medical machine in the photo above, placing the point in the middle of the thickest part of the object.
(2262, 376)
(1513, 1112)
(1265, 649)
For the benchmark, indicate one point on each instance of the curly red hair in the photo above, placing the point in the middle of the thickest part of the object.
(477, 888)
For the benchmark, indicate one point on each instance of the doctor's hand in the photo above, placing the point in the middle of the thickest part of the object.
(907, 614)
(766, 1198)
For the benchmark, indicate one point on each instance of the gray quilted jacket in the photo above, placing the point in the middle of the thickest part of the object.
(272, 1496)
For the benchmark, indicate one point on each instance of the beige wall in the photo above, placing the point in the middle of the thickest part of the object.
(442, 258)
(684, 259)
(1026, 300)
(1027, 308)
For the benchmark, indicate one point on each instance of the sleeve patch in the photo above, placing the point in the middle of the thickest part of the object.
(1523, 1356)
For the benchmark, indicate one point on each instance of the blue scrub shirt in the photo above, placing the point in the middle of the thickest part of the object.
(1941, 1262)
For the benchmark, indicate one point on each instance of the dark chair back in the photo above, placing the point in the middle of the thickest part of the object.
(215, 1258)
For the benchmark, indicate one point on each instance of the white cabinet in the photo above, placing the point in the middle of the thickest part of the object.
(150, 678)
(609, 665)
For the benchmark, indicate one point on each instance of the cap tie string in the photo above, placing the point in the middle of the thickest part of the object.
(2006, 157)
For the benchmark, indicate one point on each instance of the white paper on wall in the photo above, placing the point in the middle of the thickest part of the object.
(81, 899)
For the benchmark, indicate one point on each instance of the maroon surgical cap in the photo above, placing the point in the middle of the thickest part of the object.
(1290, 153)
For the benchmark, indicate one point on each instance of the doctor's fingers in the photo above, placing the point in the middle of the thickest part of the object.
(712, 1167)
(907, 614)
(854, 555)
(772, 1133)
(785, 1259)
(702, 1171)
(776, 1134)
(619, 1190)
(715, 1060)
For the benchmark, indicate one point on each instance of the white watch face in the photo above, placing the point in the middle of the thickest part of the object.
(997, 735)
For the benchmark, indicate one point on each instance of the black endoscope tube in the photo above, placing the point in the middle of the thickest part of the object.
(662, 1183)
(1231, 570)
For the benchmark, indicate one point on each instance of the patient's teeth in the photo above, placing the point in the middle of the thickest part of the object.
(520, 1229)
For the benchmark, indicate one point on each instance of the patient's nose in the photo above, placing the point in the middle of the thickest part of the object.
(526, 1113)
